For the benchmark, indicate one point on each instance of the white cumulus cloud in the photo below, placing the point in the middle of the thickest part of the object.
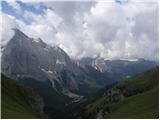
(124, 29)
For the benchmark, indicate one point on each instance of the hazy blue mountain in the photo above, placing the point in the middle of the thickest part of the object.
(109, 71)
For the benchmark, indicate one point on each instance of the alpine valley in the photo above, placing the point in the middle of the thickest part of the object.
(42, 81)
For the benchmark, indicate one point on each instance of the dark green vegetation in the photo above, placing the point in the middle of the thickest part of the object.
(54, 102)
(19, 101)
(143, 105)
(100, 78)
(136, 97)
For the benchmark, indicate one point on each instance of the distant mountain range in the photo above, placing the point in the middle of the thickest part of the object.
(57, 78)
(110, 71)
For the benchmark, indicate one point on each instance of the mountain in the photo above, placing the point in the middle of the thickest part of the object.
(24, 57)
(64, 83)
(19, 101)
(135, 97)
(48, 70)
(109, 71)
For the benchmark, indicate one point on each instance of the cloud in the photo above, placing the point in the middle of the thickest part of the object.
(113, 30)
(15, 5)
(7, 23)
(121, 29)
(42, 26)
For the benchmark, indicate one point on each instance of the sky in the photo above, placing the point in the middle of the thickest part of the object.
(111, 29)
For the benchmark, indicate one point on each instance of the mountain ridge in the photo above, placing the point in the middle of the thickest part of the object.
(27, 57)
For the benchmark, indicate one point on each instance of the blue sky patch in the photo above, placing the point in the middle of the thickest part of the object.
(8, 9)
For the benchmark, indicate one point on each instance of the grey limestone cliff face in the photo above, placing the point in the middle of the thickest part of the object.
(100, 65)
(28, 57)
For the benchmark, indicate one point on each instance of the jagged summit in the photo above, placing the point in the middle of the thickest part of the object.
(25, 57)
(20, 36)
(19, 33)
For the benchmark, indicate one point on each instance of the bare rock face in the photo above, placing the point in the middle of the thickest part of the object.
(28, 57)
(99, 64)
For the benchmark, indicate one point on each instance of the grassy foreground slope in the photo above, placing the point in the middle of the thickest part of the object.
(143, 105)
(18, 101)
(136, 97)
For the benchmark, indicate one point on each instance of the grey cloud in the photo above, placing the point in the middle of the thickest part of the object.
(67, 10)
(88, 29)
(147, 23)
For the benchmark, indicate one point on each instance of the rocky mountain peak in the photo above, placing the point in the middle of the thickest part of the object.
(25, 57)
(19, 34)
(99, 64)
